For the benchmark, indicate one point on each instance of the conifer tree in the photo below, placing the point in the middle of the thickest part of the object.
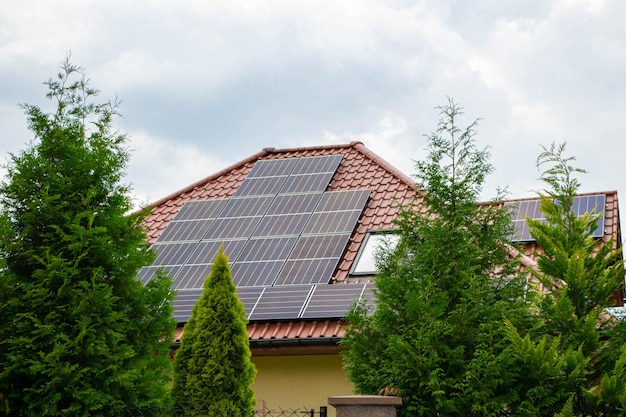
(574, 359)
(78, 331)
(212, 367)
(435, 336)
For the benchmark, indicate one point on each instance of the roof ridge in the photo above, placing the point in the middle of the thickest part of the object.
(310, 148)
(358, 145)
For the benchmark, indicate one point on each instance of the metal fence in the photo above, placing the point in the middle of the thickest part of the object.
(138, 411)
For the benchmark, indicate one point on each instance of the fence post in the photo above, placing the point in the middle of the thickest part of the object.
(366, 405)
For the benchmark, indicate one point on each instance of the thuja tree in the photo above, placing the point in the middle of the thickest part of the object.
(212, 367)
(576, 357)
(78, 331)
(435, 336)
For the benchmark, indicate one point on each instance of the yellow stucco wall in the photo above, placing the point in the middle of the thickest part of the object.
(299, 381)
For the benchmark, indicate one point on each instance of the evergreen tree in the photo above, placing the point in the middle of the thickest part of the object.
(574, 359)
(212, 367)
(78, 331)
(435, 336)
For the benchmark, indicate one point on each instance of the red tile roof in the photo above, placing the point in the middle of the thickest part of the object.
(359, 169)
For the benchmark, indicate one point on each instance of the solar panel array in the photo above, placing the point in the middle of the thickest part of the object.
(287, 303)
(530, 209)
(283, 233)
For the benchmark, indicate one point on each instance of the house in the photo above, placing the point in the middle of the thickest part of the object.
(299, 227)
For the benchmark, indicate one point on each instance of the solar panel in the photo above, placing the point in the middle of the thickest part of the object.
(333, 222)
(232, 228)
(249, 297)
(294, 203)
(320, 246)
(246, 207)
(206, 251)
(184, 302)
(255, 274)
(306, 183)
(332, 301)
(317, 164)
(184, 230)
(147, 273)
(283, 233)
(191, 276)
(260, 186)
(530, 208)
(267, 249)
(205, 209)
(284, 303)
(368, 298)
(307, 271)
(343, 200)
(286, 224)
(173, 253)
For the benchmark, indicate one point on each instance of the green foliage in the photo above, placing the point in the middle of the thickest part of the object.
(436, 333)
(78, 331)
(573, 359)
(212, 367)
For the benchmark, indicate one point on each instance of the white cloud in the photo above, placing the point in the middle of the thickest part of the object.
(159, 167)
(197, 75)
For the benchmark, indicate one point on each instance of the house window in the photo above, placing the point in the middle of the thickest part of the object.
(365, 263)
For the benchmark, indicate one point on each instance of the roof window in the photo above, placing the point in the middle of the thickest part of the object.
(365, 263)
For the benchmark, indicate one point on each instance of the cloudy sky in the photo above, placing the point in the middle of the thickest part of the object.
(207, 83)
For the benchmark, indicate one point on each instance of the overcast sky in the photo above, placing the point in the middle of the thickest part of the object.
(205, 84)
